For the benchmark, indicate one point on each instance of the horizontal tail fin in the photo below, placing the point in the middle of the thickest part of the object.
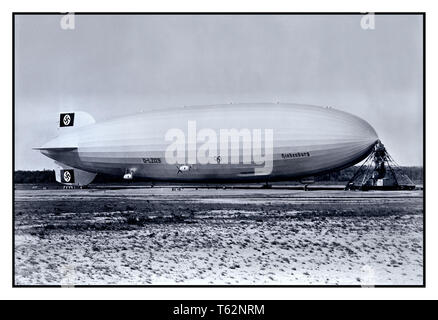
(55, 149)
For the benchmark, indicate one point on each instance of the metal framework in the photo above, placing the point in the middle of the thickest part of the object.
(379, 171)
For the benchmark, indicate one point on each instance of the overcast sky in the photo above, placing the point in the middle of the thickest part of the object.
(115, 65)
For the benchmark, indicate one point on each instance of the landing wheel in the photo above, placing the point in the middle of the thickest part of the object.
(267, 186)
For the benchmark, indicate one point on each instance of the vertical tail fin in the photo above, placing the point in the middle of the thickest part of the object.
(72, 176)
(75, 119)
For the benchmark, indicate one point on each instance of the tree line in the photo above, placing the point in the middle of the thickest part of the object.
(48, 176)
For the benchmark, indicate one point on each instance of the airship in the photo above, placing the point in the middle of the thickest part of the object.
(247, 142)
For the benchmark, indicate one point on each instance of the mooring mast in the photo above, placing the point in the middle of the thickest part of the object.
(380, 172)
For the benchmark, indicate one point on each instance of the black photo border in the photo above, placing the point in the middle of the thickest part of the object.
(423, 14)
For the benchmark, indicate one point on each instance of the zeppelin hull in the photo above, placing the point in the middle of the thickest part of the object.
(306, 140)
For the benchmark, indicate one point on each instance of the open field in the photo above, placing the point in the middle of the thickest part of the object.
(151, 236)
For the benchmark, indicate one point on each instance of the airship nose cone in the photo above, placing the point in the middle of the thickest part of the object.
(352, 137)
(338, 139)
(363, 130)
(353, 128)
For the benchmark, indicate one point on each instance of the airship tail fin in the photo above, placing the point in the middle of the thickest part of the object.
(73, 177)
(75, 119)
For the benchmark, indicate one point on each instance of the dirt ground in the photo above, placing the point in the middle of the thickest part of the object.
(155, 236)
